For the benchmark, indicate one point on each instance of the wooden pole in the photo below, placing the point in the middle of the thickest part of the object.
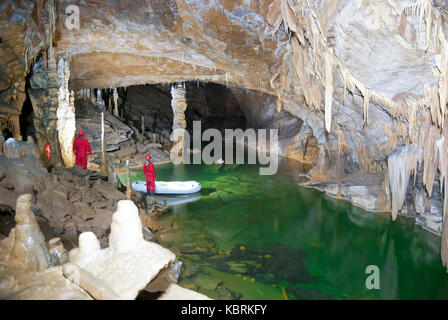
(128, 182)
(104, 164)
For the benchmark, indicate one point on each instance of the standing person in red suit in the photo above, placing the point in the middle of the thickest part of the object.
(81, 147)
(150, 175)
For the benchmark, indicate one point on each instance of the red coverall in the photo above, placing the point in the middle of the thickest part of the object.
(150, 177)
(80, 147)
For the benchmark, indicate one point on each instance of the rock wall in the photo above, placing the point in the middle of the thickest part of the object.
(23, 35)
(44, 95)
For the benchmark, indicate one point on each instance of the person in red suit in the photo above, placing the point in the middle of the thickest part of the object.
(81, 147)
(150, 175)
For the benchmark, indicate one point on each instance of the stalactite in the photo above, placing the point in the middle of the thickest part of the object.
(315, 33)
(311, 90)
(328, 89)
(443, 81)
(344, 76)
(424, 10)
(366, 95)
(433, 103)
(52, 22)
(282, 11)
(401, 164)
(430, 158)
(442, 147)
(412, 121)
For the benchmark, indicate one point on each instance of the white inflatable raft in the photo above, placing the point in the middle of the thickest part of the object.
(172, 187)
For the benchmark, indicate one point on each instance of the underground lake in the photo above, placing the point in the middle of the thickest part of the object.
(247, 236)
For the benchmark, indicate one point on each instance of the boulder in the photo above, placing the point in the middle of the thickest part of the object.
(13, 149)
(108, 191)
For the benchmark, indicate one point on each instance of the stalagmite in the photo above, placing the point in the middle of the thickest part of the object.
(401, 164)
(124, 268)
(29, 250)
(66, 122)
(104, 162)
(143, 124)
(179, 105)
(328, 89)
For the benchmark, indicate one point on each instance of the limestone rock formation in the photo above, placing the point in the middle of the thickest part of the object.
(65, 113)
(179, 105)
(28, 269)
(13, 149)
(130, 262)
(44, 95)
(28, 249)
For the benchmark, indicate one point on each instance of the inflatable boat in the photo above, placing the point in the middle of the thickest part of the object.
(172, 187)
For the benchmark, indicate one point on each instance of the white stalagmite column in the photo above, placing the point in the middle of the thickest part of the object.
(66, 122)
(115, 94)
(99, 99)
(92, 96)
(179, 105)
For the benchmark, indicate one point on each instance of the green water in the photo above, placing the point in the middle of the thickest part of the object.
(265, 237)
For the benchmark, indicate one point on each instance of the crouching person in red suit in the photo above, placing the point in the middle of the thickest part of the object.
(150, 175)
(81, 147)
